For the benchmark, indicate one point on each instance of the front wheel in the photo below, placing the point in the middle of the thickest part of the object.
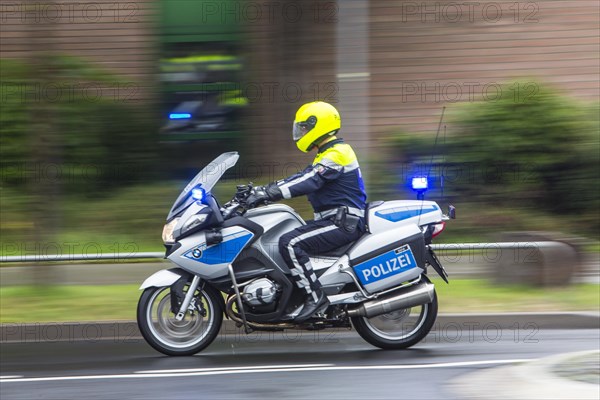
(398, 329)
(196, 331)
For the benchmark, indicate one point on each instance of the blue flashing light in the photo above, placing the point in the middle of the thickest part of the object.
(419, 183)
(180, 116)
(198, 193)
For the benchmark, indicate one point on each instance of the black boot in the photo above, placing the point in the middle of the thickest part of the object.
(311, 306)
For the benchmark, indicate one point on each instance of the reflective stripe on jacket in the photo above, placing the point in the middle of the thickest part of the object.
(333, 180)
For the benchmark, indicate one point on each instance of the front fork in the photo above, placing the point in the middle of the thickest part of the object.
(188, 298)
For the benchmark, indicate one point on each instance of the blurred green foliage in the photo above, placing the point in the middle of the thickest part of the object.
(106, 138)
(540, 153)
(513, 164)
(129, 220)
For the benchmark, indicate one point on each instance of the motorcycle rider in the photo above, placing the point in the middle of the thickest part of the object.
(335, 189)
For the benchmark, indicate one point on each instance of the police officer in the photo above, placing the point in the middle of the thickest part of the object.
(335, 189)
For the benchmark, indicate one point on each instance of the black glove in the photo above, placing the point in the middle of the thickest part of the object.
(261, 194)
(257, 196)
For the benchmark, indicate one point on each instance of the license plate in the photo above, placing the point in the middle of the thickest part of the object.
(385, 265)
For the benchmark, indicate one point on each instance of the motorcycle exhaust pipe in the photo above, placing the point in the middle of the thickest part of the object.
(413, 296)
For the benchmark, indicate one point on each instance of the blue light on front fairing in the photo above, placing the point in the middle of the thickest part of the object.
(198, 193)
(419, 183)
(180, 116)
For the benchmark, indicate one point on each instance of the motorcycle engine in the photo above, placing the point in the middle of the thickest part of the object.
(260, 292)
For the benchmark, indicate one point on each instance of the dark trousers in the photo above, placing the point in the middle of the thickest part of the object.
(314, 238)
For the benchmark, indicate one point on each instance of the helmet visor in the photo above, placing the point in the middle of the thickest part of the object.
(301, 129)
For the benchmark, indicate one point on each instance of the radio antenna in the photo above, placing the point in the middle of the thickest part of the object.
(437, 135)
(443, 163)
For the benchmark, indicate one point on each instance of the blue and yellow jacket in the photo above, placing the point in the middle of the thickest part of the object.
(333, 180)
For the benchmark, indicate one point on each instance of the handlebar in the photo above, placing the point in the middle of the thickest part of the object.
(242, 192)
(232, 208)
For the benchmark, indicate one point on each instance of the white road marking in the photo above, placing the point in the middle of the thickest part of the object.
(10, 376)
(248, 370)
(354, 76)
(177, 371)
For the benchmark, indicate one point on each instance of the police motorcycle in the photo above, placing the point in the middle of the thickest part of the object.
(227, 263)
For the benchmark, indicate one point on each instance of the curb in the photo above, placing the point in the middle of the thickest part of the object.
(531, 380)
(523, 320)
(123, 331)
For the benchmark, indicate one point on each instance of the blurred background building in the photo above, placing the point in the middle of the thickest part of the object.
(385, 64)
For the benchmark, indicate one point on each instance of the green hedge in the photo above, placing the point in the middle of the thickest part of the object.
(96, 136)
(539, 153)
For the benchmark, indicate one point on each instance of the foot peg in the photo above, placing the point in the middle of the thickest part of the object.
(311, 306)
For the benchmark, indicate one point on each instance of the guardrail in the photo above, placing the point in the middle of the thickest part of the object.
(150, 255)
(81, 257)
(543, 262)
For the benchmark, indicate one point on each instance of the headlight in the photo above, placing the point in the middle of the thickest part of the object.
(193, 222)
(167, 234)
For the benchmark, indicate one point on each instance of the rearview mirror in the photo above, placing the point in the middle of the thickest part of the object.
(452, 212)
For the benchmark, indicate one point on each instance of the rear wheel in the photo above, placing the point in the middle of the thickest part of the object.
(398, 329)
(195, 332)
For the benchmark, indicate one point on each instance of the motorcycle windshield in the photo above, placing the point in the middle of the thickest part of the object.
(208, 178)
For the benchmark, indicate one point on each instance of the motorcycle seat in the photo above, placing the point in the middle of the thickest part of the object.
(371, 205)
(337, 253)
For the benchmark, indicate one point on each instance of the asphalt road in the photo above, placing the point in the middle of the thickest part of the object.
(310, 365)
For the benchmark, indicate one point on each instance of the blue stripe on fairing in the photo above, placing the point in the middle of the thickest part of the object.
(224, 252)
(396, 216)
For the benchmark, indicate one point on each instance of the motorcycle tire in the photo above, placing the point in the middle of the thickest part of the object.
(367, 330)
(160, 329)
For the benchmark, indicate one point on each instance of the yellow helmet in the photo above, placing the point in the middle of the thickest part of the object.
(313, 121)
